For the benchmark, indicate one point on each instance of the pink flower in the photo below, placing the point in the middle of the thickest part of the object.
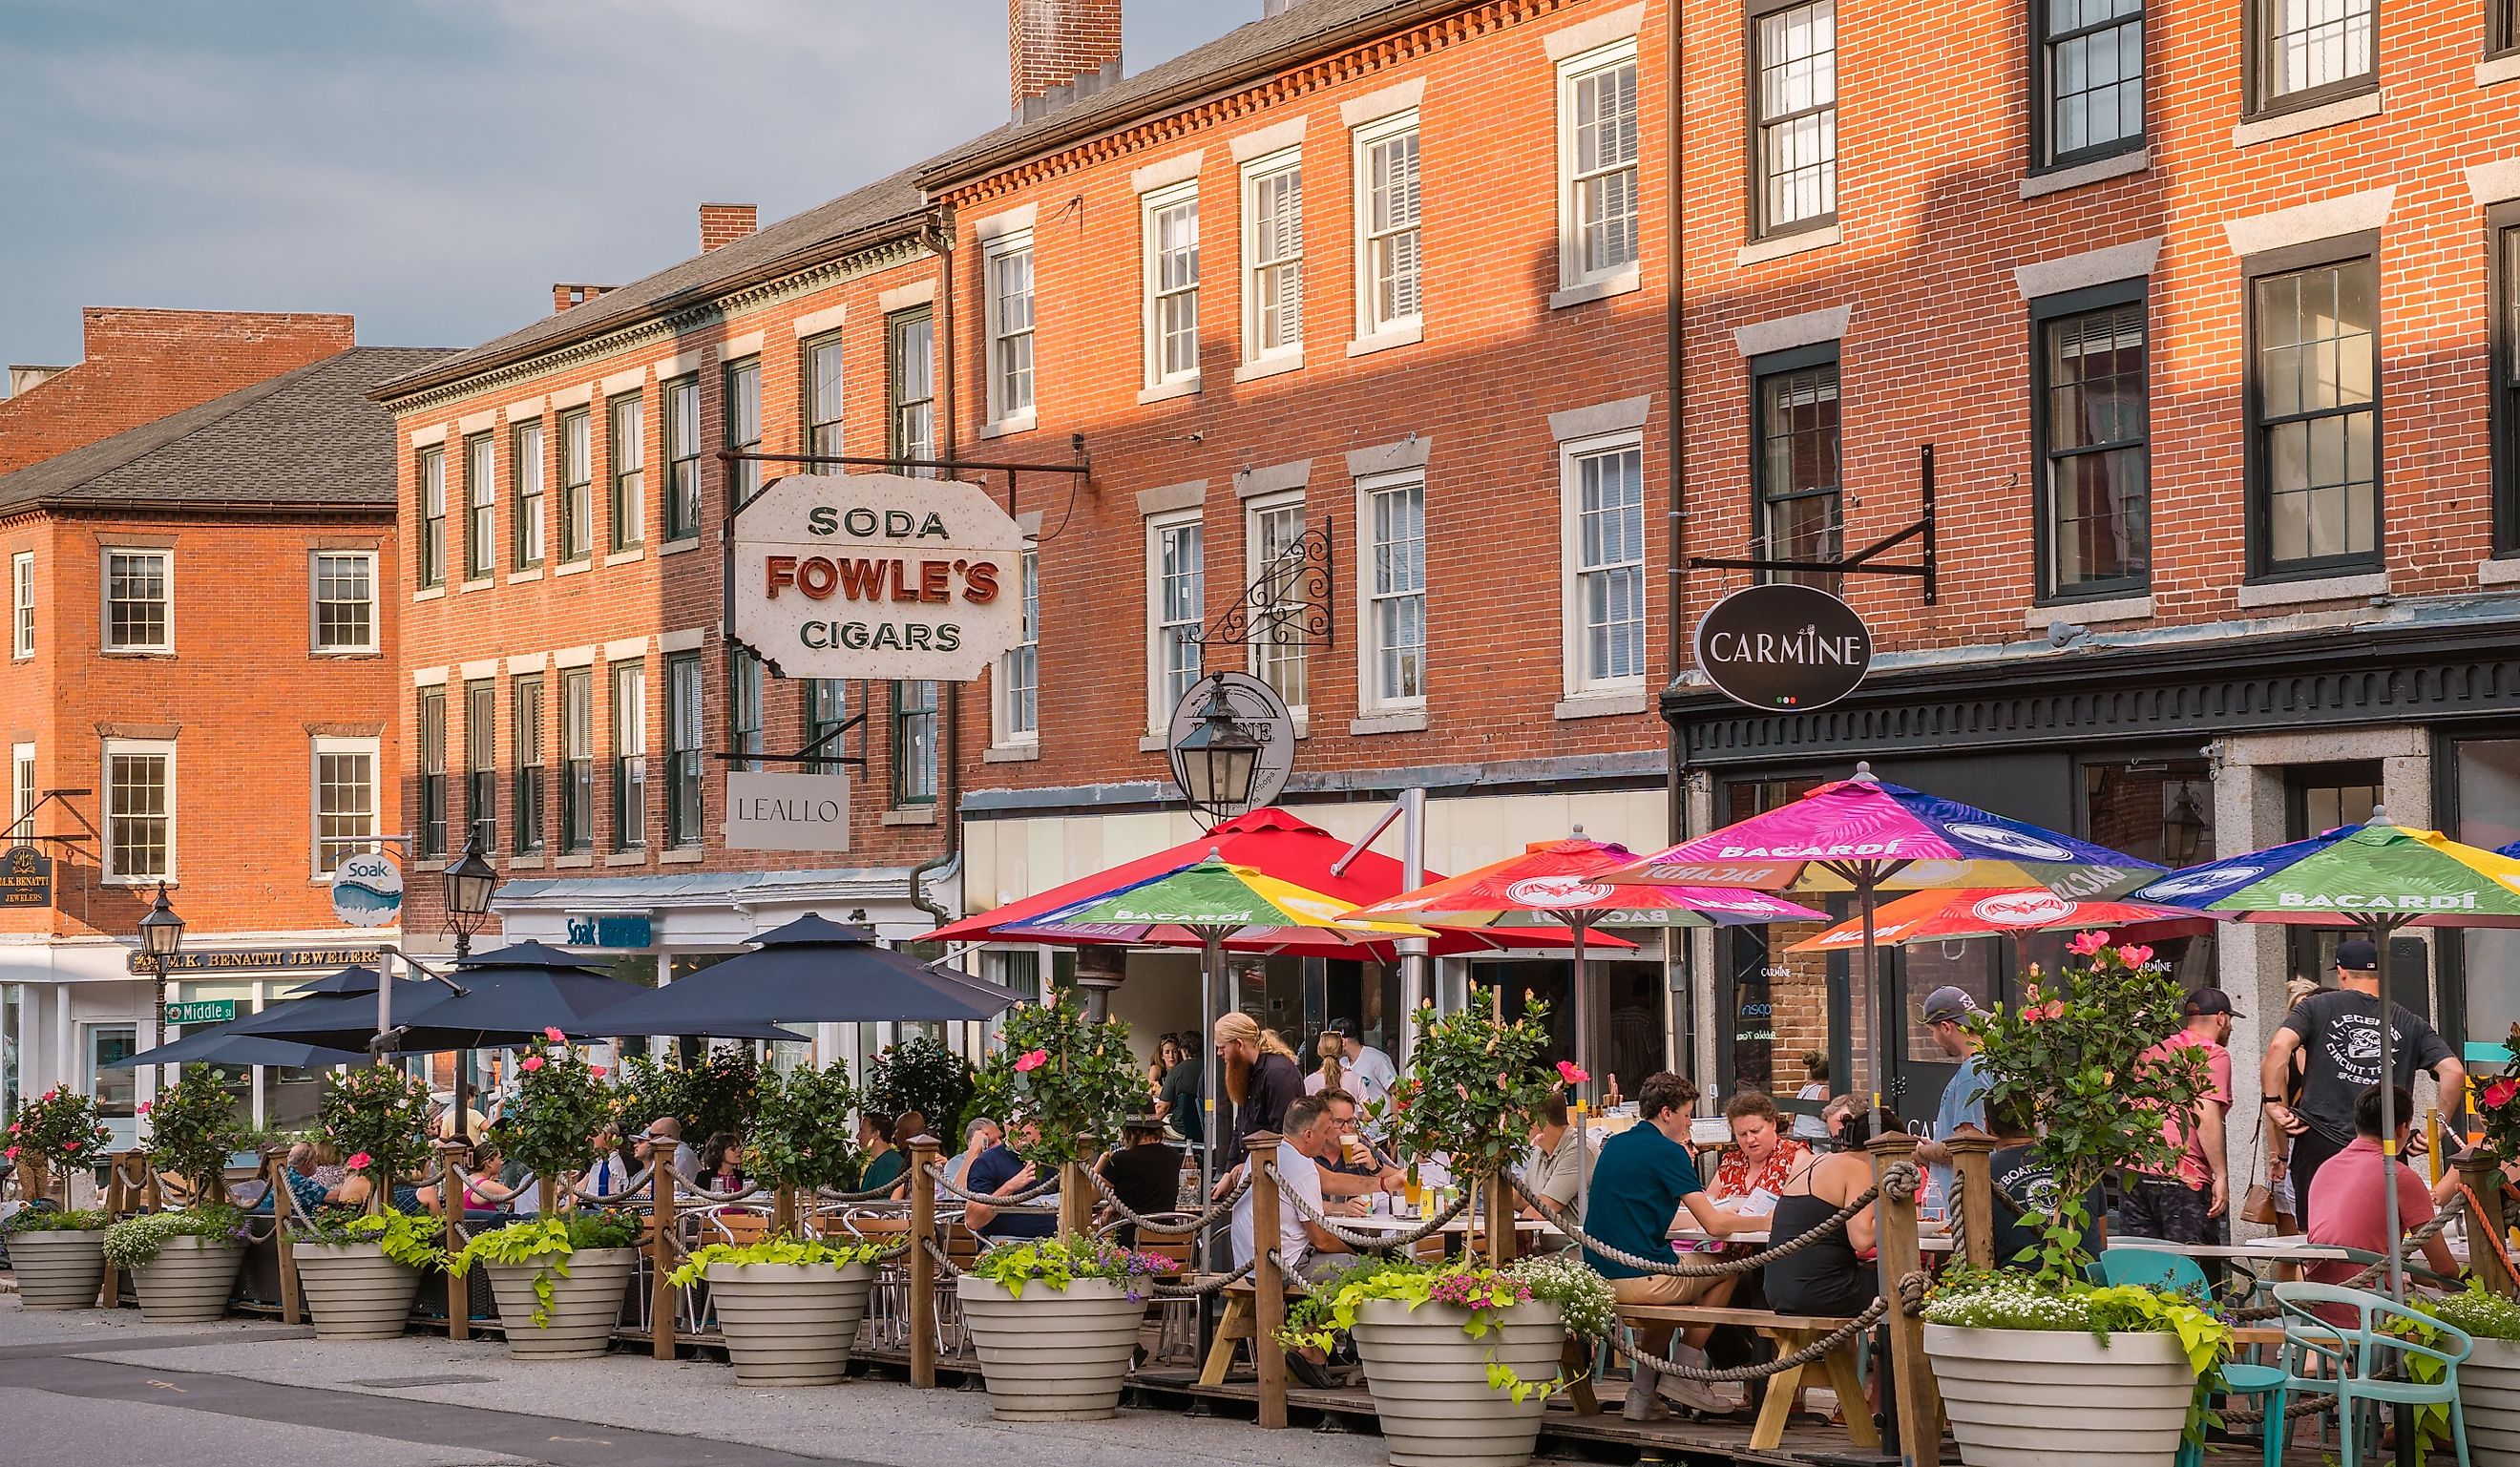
(2085, 944)
(594, 1070)
(359, 1162)
(530, 1063)
(2134, 955)
(555, 1036)
(69, 1145)
(1031, 1062)
(2056, 1009)
(144, 1108)
(1571, 1073)
(11, 1154)
(2498, 1094)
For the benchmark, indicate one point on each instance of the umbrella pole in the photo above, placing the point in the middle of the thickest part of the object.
(1577, 923)
(2380, 934)
(1212, 965)
(1871, 970)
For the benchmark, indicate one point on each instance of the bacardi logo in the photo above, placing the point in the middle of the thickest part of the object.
(2025, 909)
(1554, 893)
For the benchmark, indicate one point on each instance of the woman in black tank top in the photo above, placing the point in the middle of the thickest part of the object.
(1829, 1278)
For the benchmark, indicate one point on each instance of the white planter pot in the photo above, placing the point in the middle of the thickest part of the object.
(585, 1307)
(1052, 1355)
(189, 1282)
(58, 1270)
(1430, 1381)
(2489, 1388)
(2023, 1398)
(354, 1291)
(789, 1324)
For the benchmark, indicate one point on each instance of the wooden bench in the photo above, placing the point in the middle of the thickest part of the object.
(1240, 1321)
(1792, 1332)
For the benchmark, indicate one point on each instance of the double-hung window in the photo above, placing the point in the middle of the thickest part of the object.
(22, 604)
(1598, 131)
(482, 763)
(2089, 430)
(432, 772)
(627, 432)
(576, 485)
(22, 789)
(910, 386)
(1019, 669)
(629, 756)
(743, 702)
(139, 601)
(1390, 266)
(683, 734)
(683, 458)
(2305, 52)
(1393, 511)
(743, 424)
(527, 468)
(914, 744)
(1170, 218)
(532, 777)
(1794, 84)
(1795, 466)
(2502, 226)
(1273, 257)
(2314, 402)
(821, 369)
(827, 708)
(1604, 484)
(1177, 607)
(345, 799)
(481, 509)
(2090, 79)
(1272, 539)
(1006, 264)
(344, 601)
(139, 811)
(577, 755)
(431, 471)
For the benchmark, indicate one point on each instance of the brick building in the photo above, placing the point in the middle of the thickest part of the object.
(197, 689)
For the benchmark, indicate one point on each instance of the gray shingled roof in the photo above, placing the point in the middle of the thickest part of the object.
(885, 201)
(311, 436)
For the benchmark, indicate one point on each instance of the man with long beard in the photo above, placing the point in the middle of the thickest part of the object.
(1261, 1080)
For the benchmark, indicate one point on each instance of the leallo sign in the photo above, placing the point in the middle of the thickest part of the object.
(1783, 648)
(878, 575)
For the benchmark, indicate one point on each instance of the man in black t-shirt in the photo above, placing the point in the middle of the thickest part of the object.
(2338, 1033)
(1260, 1079)
(1002, 1171)
(2026, 1196)
(1144, 1172)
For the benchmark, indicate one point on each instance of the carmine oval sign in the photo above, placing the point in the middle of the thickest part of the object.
(1783, 648)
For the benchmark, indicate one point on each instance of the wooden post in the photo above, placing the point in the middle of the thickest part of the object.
(1974, 1207)
(922, 1266)
(1268, 1279)
(662, 1227)
(283, 1204)
(1498, 1208)
(1075, 1203)
(117, 1199)
(782, 1211)
(2483, 1179)
(450, 1211)
(547, 1195)
(1917, 1412)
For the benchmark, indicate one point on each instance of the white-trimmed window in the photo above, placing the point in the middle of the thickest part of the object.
(139, 601)
(576, 485)
(824, 373)
(1603, 487)
(1019, 669)
(1006, 264)
(1272, 533)
(1597, 99)
(1171, 223)
(1393, 511)
(480, 508)
(742, 414)
(22, 788)
(1389, 265)
(432, 473)
(344, 601)
(22, 604)
(1176, 610)
(1793, 152)
(1272, 256)
(345, 799)
(139, 811)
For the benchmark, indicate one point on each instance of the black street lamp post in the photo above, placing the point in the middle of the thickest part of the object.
(1219, 759)
(469, 881)
(161, 934)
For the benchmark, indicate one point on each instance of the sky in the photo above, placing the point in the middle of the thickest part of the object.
(432, 166)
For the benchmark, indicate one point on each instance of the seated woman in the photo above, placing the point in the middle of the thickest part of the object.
(722, 1162)
(1763, 1155)
(884, 1163)
(1833, 1278)
(482, 1190)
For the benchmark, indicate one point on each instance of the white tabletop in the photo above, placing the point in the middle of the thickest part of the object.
(2272, 1250)
(1383, 1222)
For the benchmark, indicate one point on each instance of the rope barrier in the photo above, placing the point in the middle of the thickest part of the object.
(1206, 1288)
(1177, 1221)
(944, 1266)
(696, 1193)
(1371, 1242)
(1815, 1350)
(1742, 1263)
(2416, 1239)
(630, 1185)
(1009, 1203)
(875, 1194)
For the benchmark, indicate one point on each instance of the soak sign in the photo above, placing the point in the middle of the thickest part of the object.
(878, 575)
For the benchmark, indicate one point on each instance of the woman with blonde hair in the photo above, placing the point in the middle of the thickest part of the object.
(1332, 1071)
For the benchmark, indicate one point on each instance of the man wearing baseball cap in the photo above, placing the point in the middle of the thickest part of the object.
(1947, 1013)
(2187, 1204)
(2338, 1033)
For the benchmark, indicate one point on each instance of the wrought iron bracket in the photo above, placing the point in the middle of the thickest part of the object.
(1290, 602)
(810, 754)
(1925, 567)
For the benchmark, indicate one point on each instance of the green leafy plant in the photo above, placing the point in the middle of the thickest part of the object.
(1475, 1086)
(804, 1135)
(134, 1242)
(2003, 1299)
(2498, 1103)
(1073, 1079)
(1483, 1295)
(55, 1132)
(560, 1105)
(1056, 1262)
(922, 1075)
(546, 1244)
(718, 1092)
(192, 1130)
(53, 1220)
(414, 1240)
(780, 1249)
(376, 1114)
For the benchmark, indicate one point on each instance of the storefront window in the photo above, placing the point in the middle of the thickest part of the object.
(116, 1091)
(13, 1022)
(2486, 799)
(2159, 810)
(1626, 1014)
(240, 1079)
(1777, 1007)
(2318, 798)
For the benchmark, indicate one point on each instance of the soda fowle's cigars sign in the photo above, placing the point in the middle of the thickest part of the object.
(878, 575)
(1783, 648)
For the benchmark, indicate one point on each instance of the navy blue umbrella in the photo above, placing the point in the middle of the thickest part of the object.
(811, 971)
(215, 1047)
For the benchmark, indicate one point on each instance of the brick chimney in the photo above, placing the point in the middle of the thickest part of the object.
(1059, 51)
(725, 223)
(566, 294)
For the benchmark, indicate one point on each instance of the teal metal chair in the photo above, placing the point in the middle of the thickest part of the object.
(2357, 1362)
(2177, 1272)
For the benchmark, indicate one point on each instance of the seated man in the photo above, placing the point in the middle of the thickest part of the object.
(1353, 1170)
(1305, 1249)
(1644, 1176)
(1144, 1171)
(1002, 1171)
(309, 1193)
(1558, 1160)
(2347, 1208)
(2025, 1192)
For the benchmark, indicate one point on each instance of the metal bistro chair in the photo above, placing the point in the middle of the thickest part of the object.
(2177, 1272)
(2356, 1358)
(1176, 1319)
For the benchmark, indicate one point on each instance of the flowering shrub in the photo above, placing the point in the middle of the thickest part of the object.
(1474, 1088)
(561, 1104)
(1566, 1280)
(1056, 1263)
(192, 1130)
(1073, 1079)
(2006, 1300)
(771, 1249)
(378, 1113)
(55, 1132)
(134, 1242)
(2486, 1315)
(718, 1093)
(922, 1075)
(2497, 1103)
(803, 1137)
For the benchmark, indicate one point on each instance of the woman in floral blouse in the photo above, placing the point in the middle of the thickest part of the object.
(1763, 1156)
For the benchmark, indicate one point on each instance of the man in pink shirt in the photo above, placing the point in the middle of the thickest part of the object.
(2188, 1206)
(2348, 1210)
